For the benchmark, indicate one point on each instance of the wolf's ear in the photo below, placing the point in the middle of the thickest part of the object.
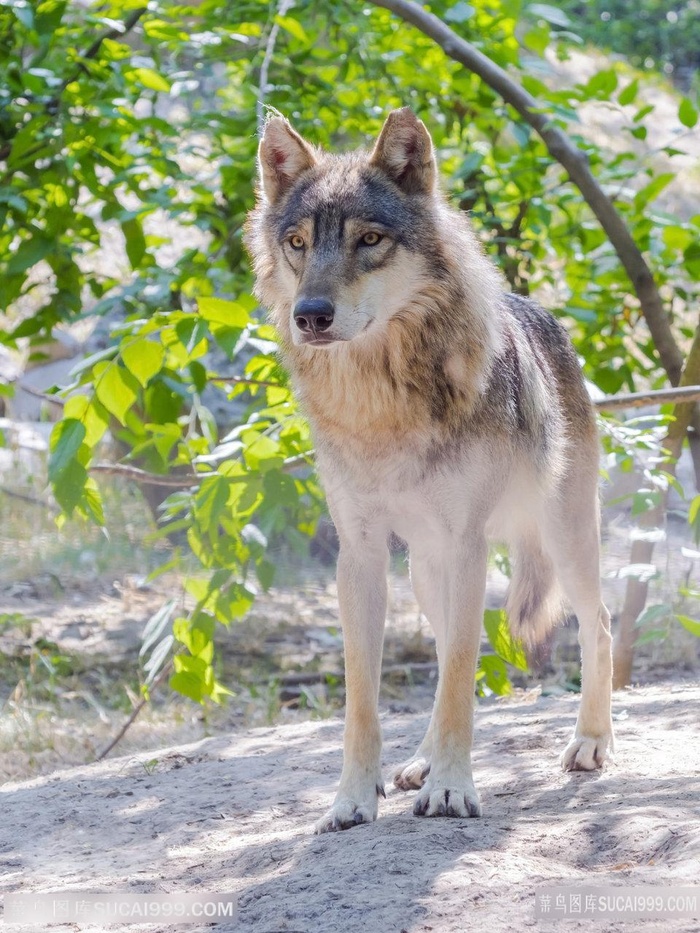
(404, 151)
(282, 156)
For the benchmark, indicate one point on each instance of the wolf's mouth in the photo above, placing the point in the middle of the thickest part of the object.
(315, 338)
(318, 341)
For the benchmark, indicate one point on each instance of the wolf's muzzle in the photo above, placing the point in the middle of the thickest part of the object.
(313, 315)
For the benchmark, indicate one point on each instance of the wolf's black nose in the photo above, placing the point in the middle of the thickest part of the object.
(314, 314)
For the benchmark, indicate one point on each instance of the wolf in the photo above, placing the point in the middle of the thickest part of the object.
(445, 410)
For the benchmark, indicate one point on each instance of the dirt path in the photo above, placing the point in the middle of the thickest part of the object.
(234, 813)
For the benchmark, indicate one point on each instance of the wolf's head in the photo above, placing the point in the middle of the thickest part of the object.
(342, 243)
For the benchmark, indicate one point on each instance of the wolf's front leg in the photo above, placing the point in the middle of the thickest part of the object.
(362, 588)
(449, 789)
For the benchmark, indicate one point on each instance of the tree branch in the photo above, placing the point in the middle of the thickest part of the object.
(183, 481)
(656, 397)
(563, 150)
(284, 6)
(116, 33)
(243, 381)
(175, 480)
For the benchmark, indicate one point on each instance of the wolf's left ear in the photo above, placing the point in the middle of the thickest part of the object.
(282, 156)
(404, 151)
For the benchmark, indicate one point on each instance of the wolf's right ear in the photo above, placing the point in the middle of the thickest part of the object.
(404, 152)
(282, 156)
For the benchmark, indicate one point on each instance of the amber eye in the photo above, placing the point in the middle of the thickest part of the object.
(296, 241)
(371, 239)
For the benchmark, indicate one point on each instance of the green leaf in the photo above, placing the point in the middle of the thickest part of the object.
(676, 237)
(693, 518)
(495, 674)
(550, 14)
(281, 490)
(150, 79)
(653, 189)
(691, 625)
(459, 13)
(23, 12)
(233, 603)
(602, 84)
(193, 677)
(197, 635)
(91, 414)
(220, 311)
(498, 631)
(69, 488)
(29, 253)
(691, 260)
(654, 634)
(537, 39)
(157, 658)
(114, 389)
(156, 625)
(66, 439)
(628, 94)
(263, 454)
(643, 112)
(693, 510)
(687, 114)
(143, 358)
(654, 613)
(135, 241)
(198, 372)
(189, 685)
(293, 27)
(92, 501)
(265, 572)
(211, 501)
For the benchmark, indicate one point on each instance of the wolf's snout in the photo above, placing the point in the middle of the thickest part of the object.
(314, 315)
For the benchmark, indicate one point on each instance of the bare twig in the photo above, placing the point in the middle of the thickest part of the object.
(37, 393)
(182, 480)
(241, 380)
(283, 8)
(32, 500)
(655, 397)
(143, 476)
(167, 670)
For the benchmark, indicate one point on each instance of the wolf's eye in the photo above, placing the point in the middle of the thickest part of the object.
(296, 241)
(371, 239)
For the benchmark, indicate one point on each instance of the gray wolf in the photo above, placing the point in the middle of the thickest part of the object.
(445, 410)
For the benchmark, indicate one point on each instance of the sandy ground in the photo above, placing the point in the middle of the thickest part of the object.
(234, 813)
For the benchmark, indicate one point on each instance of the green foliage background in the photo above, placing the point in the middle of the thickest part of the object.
(90, 141)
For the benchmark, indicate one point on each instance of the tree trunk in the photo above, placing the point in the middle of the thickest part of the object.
(643, 551)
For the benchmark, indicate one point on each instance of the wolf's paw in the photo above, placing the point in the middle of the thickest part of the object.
(411, 774)
(442, 798)
(586, 753)
(347, 812)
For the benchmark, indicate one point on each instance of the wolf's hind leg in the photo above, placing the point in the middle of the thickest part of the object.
(429, 588)
(573, 541)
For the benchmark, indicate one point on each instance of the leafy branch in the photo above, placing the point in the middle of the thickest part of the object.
(564, 151)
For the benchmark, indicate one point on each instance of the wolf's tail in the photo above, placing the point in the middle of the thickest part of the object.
(534, 602)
